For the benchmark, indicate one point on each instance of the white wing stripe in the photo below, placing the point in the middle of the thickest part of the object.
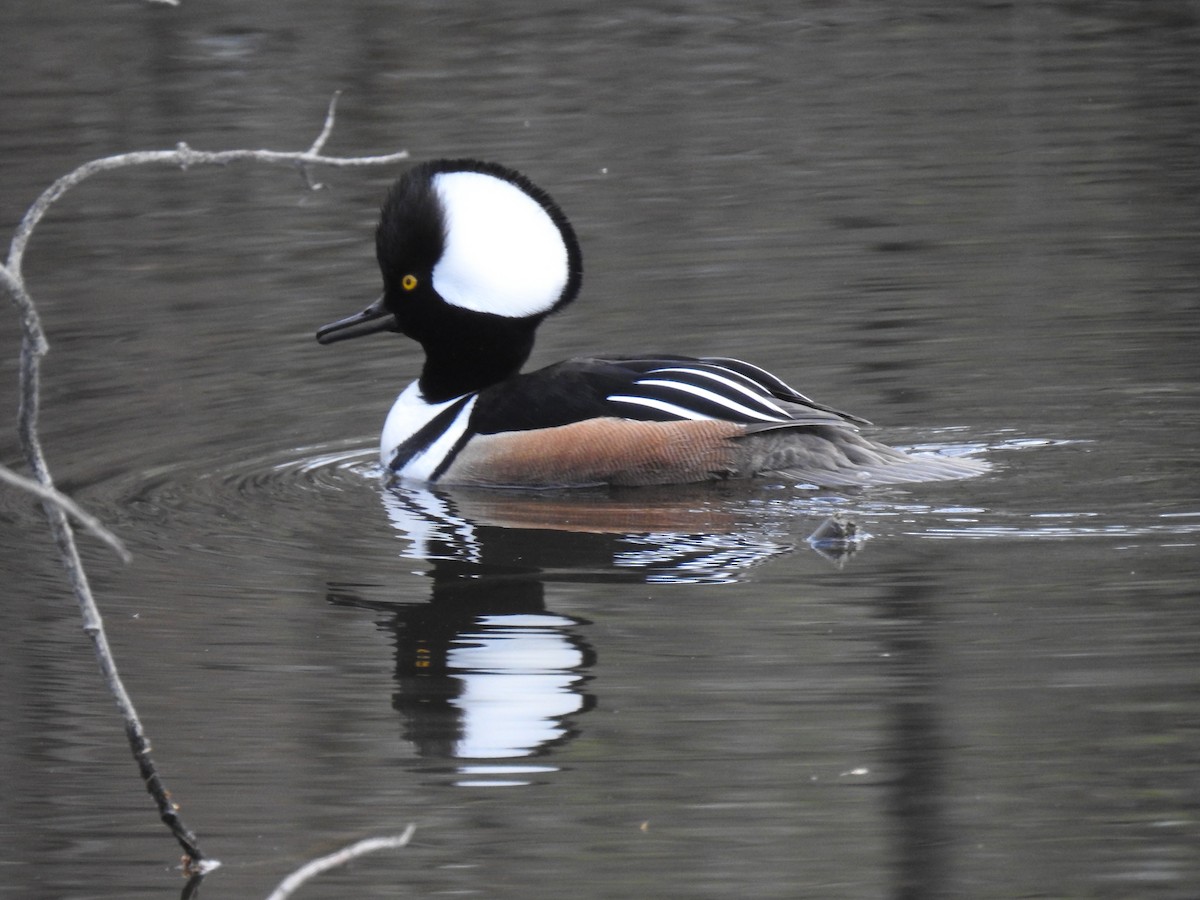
(769, 380)
(711, 397)
(669, 408)
(757, 396)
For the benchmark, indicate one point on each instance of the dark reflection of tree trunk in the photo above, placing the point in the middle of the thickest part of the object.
(917, 747)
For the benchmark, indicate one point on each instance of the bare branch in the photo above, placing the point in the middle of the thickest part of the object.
(310, 870)
(57, 506)
(31, 323)
(184, 157)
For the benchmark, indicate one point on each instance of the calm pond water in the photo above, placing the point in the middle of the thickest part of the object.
(976, 224)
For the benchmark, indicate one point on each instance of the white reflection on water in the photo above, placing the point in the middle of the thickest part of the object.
(519, 677)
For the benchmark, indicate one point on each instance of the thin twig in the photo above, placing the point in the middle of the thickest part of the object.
(69, 506)
(312, 869)
(319, 143)
(55, 504)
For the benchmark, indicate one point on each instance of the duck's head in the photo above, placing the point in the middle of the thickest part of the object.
(473, 257)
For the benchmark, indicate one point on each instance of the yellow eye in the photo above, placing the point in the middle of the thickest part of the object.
(408, 282)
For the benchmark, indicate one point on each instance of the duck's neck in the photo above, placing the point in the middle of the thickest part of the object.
(468, 362)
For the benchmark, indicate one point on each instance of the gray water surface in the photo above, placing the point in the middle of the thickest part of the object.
(975, 224)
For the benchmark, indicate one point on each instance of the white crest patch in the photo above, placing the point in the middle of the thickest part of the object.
(504, 255)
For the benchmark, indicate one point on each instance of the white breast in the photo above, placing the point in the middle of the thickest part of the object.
(411, 413)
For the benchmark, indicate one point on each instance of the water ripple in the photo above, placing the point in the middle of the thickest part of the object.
(281, 491)
(203, 498)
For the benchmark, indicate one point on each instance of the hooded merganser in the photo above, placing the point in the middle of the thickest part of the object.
(474, 257)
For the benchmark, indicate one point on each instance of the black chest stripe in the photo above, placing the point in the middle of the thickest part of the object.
(427, 434)
(451, 454)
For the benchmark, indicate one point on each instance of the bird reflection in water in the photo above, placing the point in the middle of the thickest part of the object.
(486, 675)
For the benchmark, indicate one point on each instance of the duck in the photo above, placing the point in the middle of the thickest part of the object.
(474, 257)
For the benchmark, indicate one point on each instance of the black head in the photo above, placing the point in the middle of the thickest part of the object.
(473, 257)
